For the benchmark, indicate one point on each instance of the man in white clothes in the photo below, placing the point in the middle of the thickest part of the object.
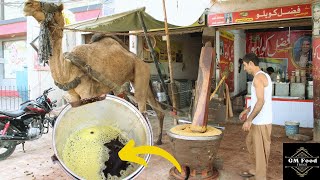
(258, 117)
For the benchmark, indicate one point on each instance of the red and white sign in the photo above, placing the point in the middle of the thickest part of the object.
(260, 15)
(227, 57)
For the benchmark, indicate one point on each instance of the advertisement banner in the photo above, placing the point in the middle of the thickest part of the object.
(316, 58)
(227, 57)
(15, 53)
(316, 76)
(260, 15)
(283, 50)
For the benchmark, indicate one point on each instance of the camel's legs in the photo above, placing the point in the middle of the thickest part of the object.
(141, 84)
(90, 89)
(157, 108)
(143, 93)
(72, 96)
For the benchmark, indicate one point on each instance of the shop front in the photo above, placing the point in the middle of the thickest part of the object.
(185, 53)
(282, 39)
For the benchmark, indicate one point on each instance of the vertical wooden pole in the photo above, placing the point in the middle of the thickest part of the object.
(153, 55)
(316, 71)
(226, 96)
(230, 105)
(174, 103)
(228, 102)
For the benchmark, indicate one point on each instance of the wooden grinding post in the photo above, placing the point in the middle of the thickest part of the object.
(206, 64)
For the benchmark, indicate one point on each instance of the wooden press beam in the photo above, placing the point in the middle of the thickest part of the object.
(206, 64)
(208, 35)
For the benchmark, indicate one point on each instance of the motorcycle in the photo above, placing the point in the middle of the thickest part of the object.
(27, 123)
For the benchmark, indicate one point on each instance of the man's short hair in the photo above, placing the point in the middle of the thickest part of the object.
(251, 57)
(305, 38)
(270, 69)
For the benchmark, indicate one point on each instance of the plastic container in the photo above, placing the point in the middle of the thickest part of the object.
(310, 91)
(298, 90)
(292, 128)
(161, 96)
(303, 79)
(281, 89)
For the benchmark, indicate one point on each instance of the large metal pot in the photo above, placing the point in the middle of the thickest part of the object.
(112, 111)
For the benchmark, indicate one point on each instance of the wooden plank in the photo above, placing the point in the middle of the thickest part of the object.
(206, 64)
(215, 91)
(230, 112)
(227, 102)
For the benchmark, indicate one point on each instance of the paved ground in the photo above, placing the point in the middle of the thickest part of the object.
(36, 162)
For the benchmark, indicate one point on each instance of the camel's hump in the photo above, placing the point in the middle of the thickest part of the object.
(99, 36)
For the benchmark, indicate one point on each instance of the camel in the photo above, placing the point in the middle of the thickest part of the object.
(105, 54)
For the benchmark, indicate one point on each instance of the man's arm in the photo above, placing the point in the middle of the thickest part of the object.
(243, 114)
(259, 87)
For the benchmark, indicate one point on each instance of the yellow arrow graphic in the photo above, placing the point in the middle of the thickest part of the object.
(129, 153)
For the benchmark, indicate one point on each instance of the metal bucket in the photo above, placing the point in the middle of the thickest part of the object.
(112, 111)
(161, 96)
(292, 128)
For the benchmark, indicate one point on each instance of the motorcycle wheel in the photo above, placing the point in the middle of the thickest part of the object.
(6, 147)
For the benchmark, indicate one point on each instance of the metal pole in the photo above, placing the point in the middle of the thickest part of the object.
(174, 104)
(153, 55)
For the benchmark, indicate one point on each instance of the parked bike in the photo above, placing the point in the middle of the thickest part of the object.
(26, 124)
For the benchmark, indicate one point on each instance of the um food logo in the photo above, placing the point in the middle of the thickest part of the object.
(302, 162)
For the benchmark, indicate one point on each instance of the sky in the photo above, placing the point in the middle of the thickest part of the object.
(179, 12)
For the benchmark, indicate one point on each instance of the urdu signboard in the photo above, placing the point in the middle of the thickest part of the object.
(260, 15)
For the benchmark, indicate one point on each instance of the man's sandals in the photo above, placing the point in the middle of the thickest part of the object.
(247, 174)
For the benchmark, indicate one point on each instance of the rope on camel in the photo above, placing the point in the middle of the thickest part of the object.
(45, 43)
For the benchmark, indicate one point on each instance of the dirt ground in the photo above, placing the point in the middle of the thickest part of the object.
(235, 156)
(36, 162)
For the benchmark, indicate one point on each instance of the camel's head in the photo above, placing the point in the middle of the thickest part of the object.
(38, 9)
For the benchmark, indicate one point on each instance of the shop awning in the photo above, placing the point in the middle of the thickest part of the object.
(124, 22)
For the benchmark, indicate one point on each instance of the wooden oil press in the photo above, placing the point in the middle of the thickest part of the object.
(197, 153)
